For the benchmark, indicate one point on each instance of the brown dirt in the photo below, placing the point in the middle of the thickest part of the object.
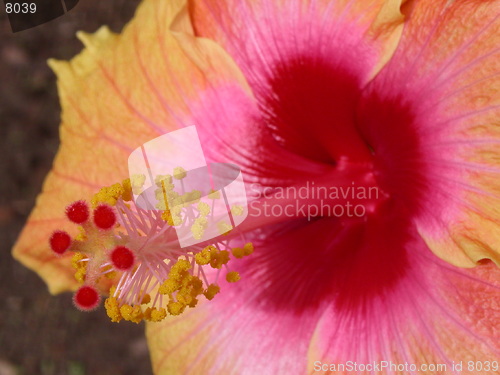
(39, 333)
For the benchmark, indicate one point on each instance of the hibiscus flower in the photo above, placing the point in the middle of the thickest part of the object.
(400, 97)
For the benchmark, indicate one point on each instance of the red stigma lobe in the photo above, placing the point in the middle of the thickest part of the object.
(122, 258)
(60, 241)
(78, 212)
(86, 298)
(104, 217)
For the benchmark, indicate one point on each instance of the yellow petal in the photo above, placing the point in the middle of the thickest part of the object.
(445, 77)
(118, 93)
(179, 344)
(461, 60)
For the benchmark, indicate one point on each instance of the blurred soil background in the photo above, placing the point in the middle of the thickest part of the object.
(41, 334)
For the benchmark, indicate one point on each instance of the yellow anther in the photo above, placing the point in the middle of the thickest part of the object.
(204, 208)
(168, 195)
(178, 275)
(211, 291)
(172, 217)
(146, 299)
(237, 210)
(80, 275)
(177, 220)
(175, 202)
(198, 228)
(197, 285)
(185, 200)
(161, 194)
(137, 182)
(238, 252)
(214, 194)
(223, 257)
(179, 173)
(203, 221)
(125, 311)
(127, 190)
(165, 193)
(233, 276)
(197, 231)
(203, 257)
(167, 216)
(224, 228)
(108, 195)
(110, 275)
(160, 202)
(82, 235)
(169, 286)
(208, 254)
(80, 266)
(163, 180)
(212, 249)
(248, 248)
(179, 270)
(157, 315)
(146, 315)
(193, 285)
(176, 308)
(76, 261)
(137, 314)
(220, 259)
(181, 265)
(186, 280)
(113, 309)
(131, 313)
(184, 297)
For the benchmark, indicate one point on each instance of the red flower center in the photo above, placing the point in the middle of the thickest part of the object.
(353, 138)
